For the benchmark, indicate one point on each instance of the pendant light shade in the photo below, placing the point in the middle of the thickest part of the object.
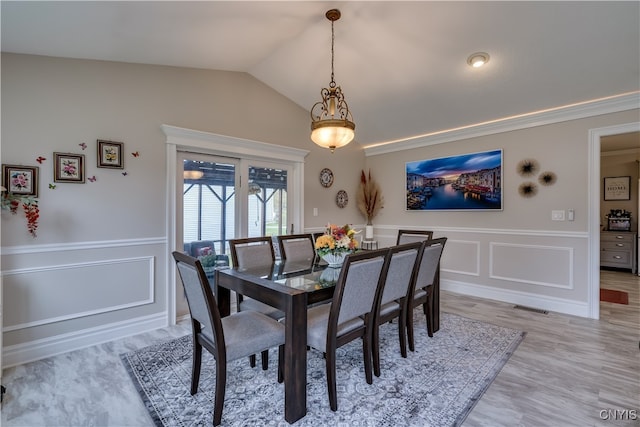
(331, 123)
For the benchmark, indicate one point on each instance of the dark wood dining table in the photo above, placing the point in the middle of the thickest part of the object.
(290, 287)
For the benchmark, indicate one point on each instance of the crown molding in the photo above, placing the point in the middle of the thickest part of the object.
(613, 104)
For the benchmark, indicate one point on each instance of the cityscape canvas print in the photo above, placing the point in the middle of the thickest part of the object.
(465, 182)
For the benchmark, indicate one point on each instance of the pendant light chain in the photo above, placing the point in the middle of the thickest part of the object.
(333, 38)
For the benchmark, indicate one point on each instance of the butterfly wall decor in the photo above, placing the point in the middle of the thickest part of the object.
(124, 174)
(40, 159)
(92, 178)
(52, 186)
(135, 154)
(83, 145)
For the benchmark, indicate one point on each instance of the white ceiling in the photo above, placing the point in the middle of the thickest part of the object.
(401, 65)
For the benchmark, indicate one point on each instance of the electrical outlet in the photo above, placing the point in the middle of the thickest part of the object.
(572, 215)
(315, 211)
(557, 215)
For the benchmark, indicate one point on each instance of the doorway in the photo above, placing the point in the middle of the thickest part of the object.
(595, 146)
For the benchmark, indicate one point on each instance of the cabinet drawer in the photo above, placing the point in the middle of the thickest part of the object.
(617, 237)
(616, 246)
(612, 257)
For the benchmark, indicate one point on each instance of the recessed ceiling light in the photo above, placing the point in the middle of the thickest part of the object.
(478, 59)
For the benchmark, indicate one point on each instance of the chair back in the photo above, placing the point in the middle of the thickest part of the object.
(202, 303)
(297, 247)
(410, 236)
(431, 255)
(252, 251)
(403, 267)
(361, 279)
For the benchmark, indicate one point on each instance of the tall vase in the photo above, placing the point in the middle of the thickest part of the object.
(368, 232)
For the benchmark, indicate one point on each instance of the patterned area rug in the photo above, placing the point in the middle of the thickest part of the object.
(437, 385)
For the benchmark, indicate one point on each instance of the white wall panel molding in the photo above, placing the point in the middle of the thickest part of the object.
(538, 265)
(613, 104)
(39, 349)
(461, 257)
(89, 288)
(544, 302)
(62, 247)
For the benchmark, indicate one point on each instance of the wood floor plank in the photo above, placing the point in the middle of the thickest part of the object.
(568, 369)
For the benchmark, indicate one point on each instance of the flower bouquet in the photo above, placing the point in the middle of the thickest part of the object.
(336, 243)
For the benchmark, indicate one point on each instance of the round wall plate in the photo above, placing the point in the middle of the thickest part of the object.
(326, 177)
(342, 199)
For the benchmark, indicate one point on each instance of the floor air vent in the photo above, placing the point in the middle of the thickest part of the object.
(535, 310)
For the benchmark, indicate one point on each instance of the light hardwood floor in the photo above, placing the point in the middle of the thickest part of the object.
(568, 371)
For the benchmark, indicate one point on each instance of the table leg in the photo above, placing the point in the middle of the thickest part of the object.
(223, 295)
(295, 358)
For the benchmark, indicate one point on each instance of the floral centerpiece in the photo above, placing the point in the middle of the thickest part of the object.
(336, 243)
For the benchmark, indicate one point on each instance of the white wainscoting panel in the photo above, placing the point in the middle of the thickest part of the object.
(550, 266)
(461, 257)
(43, 295)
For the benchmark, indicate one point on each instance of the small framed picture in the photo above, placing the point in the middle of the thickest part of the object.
(617, 188)
(110, 154)
(20, 180)
(68, 167)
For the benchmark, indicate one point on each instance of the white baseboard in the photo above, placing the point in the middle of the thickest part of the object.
(558, 305)
(39, 349)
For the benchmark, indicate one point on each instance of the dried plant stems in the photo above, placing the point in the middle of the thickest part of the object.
(369, 197)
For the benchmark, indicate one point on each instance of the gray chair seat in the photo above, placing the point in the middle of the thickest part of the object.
(252, 333)
(388, 308)
(318, 321)
(255, 305)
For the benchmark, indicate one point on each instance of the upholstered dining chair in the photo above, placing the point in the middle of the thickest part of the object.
(254, 252)
(350, 313)
(395, 296)
(297, 247)
(226, 338)
(423, 290)
(409, 236)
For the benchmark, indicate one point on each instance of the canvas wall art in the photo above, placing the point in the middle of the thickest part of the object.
(463, 182)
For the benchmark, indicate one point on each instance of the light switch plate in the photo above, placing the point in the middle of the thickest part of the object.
(557, 215)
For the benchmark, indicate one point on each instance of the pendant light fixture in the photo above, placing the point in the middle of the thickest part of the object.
(331, 122)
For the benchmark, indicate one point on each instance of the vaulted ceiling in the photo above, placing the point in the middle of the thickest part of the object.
(401, 65)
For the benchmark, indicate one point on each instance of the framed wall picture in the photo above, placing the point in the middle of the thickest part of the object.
(68, 167)
(110, 154)
(617, 188)
(20, 180)
(464, 182)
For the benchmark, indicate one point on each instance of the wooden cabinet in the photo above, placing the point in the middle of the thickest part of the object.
(618, 249)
